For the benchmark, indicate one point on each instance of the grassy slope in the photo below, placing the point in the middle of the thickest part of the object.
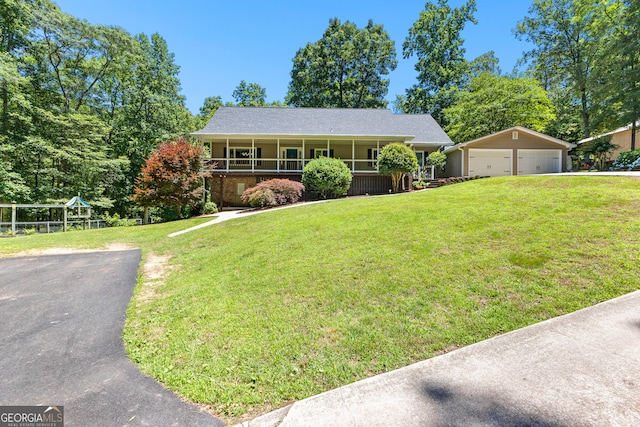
(279, 306)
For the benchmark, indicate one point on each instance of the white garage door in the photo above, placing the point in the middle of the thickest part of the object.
(532, 162)
(489, 162)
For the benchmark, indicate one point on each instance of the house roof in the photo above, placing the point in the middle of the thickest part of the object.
(613, 132)
(507, 131)
(325, 123)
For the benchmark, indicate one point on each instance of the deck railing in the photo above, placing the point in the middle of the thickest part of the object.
(267, 165)
(271, 165)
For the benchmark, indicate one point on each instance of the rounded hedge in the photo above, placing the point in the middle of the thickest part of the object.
(327, 177)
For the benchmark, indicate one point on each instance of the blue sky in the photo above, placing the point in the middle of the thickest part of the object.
(219, 43)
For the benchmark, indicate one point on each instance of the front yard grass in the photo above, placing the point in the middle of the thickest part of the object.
(272, 308)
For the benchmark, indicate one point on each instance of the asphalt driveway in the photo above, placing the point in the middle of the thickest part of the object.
(61, 320)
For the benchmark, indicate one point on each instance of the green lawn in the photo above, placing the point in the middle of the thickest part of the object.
(276, 307)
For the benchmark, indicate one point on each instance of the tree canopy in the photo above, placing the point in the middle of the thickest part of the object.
(345, 68)
(492, 103)
(82, 106)
(250, 95)
(435, 40)
(397, 160)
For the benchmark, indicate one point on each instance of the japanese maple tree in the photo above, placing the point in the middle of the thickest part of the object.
(172, 176)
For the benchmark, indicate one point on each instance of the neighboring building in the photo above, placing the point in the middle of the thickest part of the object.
(246, 145)
(514, 151)
(620, 137)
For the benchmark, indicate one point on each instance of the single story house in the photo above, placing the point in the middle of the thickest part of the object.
(513, 151)
(246, 145)
(620, 137)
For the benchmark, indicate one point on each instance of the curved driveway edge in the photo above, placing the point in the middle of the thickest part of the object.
(580, 369)
(61, 321)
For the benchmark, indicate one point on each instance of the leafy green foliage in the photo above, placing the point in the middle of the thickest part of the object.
(601, 149)
(493, 103)
(273, 192)
(396, 160)
(250, 95)
(115, 220)
(327, 177)
(437, 159)
(566, 45)
(629, 160)
(171, 176)
(82, 106)
(209, 208)
(436, 42)
(345, 68)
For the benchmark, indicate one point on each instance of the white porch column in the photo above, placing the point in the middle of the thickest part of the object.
(377, 153)
(227, 159)
(278, 155)
(253, 155)
(303, 154)
(353, 156)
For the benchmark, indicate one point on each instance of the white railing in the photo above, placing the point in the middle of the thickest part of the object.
(279, 165)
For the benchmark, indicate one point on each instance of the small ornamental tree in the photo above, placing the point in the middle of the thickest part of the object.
(397, 159)
(438, 160)
(327, 177)
(171, 177)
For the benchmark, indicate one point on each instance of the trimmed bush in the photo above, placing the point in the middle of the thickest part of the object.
(273, 192)
(327, 177)
(209, 208)
(629, 160)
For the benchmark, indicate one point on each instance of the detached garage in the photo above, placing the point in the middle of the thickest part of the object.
(515, 151)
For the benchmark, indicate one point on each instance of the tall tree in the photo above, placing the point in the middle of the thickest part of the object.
(209, 107)
(493, 103)
(172, 176)
(565, 49)
(344, 69)
(435, 39)
(619, 64)
(250, 95)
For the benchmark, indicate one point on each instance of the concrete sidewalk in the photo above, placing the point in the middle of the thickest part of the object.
(581, 369)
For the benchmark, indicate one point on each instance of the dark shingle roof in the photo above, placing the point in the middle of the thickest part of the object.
(337, 122)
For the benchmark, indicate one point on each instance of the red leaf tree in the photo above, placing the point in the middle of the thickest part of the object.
(172, 176)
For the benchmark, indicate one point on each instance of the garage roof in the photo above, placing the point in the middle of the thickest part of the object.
(513, 129)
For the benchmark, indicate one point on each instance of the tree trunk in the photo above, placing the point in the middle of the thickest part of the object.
(585, 113)
(633, 134)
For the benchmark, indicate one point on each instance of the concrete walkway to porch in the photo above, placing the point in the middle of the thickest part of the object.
(239, 213)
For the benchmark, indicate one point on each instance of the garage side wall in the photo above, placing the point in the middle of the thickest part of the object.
(524, 141)
(454, 164)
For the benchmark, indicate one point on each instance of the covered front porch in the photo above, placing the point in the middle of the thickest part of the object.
(290, 155)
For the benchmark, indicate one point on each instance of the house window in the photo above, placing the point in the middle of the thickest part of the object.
(241, 155)
(320, 152)
(372, 154)
(420, 156)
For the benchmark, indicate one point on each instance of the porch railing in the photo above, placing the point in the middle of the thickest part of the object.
(271, 165)
(267, 165)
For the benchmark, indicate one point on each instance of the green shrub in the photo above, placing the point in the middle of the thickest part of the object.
(209, 208)
(273, 192)
(628, 160)
(115, 220)
(327, 177)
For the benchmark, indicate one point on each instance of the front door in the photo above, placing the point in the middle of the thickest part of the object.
(292, 155)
